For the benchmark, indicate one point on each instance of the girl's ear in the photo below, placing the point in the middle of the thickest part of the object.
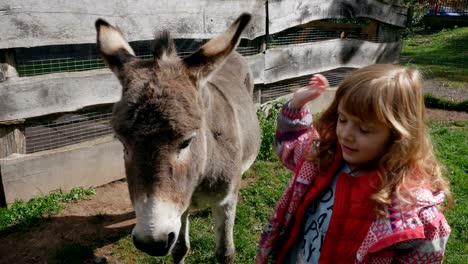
(213, 54)
(113, 47)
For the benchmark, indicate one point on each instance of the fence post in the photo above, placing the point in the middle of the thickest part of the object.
(12, 138)
(7, 64)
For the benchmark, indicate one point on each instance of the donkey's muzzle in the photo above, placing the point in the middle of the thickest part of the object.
(155, 248)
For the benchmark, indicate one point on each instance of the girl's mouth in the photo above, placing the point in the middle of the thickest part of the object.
(347, 150)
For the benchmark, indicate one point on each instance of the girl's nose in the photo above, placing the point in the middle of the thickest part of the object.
(347, 133)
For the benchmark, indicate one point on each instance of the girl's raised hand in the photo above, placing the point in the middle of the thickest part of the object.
(317, 85)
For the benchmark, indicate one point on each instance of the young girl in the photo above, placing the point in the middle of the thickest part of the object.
(367, 187)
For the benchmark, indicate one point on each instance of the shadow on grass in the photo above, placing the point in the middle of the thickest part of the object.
(69, 239)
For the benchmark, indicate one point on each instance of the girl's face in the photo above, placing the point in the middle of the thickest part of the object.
(361, 142)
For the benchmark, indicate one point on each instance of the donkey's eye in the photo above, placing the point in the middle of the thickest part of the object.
(185, 143)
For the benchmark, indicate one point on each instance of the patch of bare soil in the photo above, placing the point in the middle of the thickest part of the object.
(97, 223)
(106, 217)
(443, 90)
(443, 115)
(440, 89)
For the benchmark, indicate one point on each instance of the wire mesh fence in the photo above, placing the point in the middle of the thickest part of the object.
(73, 128)
(77, 127)
(72, 58)
(278, 89)
(446, 7)
(325, 30)
(68, 129)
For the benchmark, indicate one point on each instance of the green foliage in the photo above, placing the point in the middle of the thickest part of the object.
(267, 115)
(22, 215)
(417, 12)
(434, 102)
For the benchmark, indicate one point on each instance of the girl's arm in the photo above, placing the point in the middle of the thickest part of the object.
(431, 249)
(294, 122)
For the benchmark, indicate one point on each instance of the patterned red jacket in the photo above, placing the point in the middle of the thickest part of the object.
(413, 233)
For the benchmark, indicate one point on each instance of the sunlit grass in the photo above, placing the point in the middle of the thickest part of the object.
(441, 55)
(23, 214)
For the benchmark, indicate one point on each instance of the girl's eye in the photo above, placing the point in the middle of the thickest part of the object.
(341, 119)
(185, 143)
(364, 130)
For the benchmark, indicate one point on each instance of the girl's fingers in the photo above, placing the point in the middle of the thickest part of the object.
(320, 79)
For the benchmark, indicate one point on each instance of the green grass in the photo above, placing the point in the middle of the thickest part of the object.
(267, 182)
(451, 144)
(442, 55)
(22, 215)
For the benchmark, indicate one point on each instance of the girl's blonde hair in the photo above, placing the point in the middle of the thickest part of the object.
(392, 95)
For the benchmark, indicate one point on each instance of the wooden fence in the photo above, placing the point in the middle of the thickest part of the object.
(287, 41)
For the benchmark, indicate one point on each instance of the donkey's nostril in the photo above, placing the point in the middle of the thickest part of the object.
(170, 239)
(155, 248)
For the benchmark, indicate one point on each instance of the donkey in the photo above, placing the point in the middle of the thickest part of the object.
(189, 130)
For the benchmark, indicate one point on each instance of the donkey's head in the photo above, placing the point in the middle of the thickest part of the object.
(160, 121)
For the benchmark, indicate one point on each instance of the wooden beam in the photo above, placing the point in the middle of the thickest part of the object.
(27, 97)
(257, 66)
(285, 14)
(92, 163)
(304, 59)
(38, 23)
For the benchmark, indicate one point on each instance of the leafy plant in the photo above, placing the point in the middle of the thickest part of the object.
(267, 115)
(417, 11)
(23, 214)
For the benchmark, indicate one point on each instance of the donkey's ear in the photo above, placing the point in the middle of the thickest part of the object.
(213, 54)
(113, 47)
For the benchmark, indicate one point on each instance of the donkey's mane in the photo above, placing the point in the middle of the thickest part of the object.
(162, 43)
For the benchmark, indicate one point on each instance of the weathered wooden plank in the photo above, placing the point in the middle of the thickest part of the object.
(65, 92)
(37, 23)
(257, 66)
(93, 163)
(54, 93)
(304, 59)
(285, 14)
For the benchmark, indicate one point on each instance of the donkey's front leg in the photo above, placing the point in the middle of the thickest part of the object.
(182, 245)
(224, 216)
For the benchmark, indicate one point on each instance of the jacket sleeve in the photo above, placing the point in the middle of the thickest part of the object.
(431, 249)
(292, 133)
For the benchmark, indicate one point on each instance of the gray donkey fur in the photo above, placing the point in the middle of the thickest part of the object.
(189, 130)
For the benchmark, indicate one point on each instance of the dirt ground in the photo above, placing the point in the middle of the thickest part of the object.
(106, 217)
